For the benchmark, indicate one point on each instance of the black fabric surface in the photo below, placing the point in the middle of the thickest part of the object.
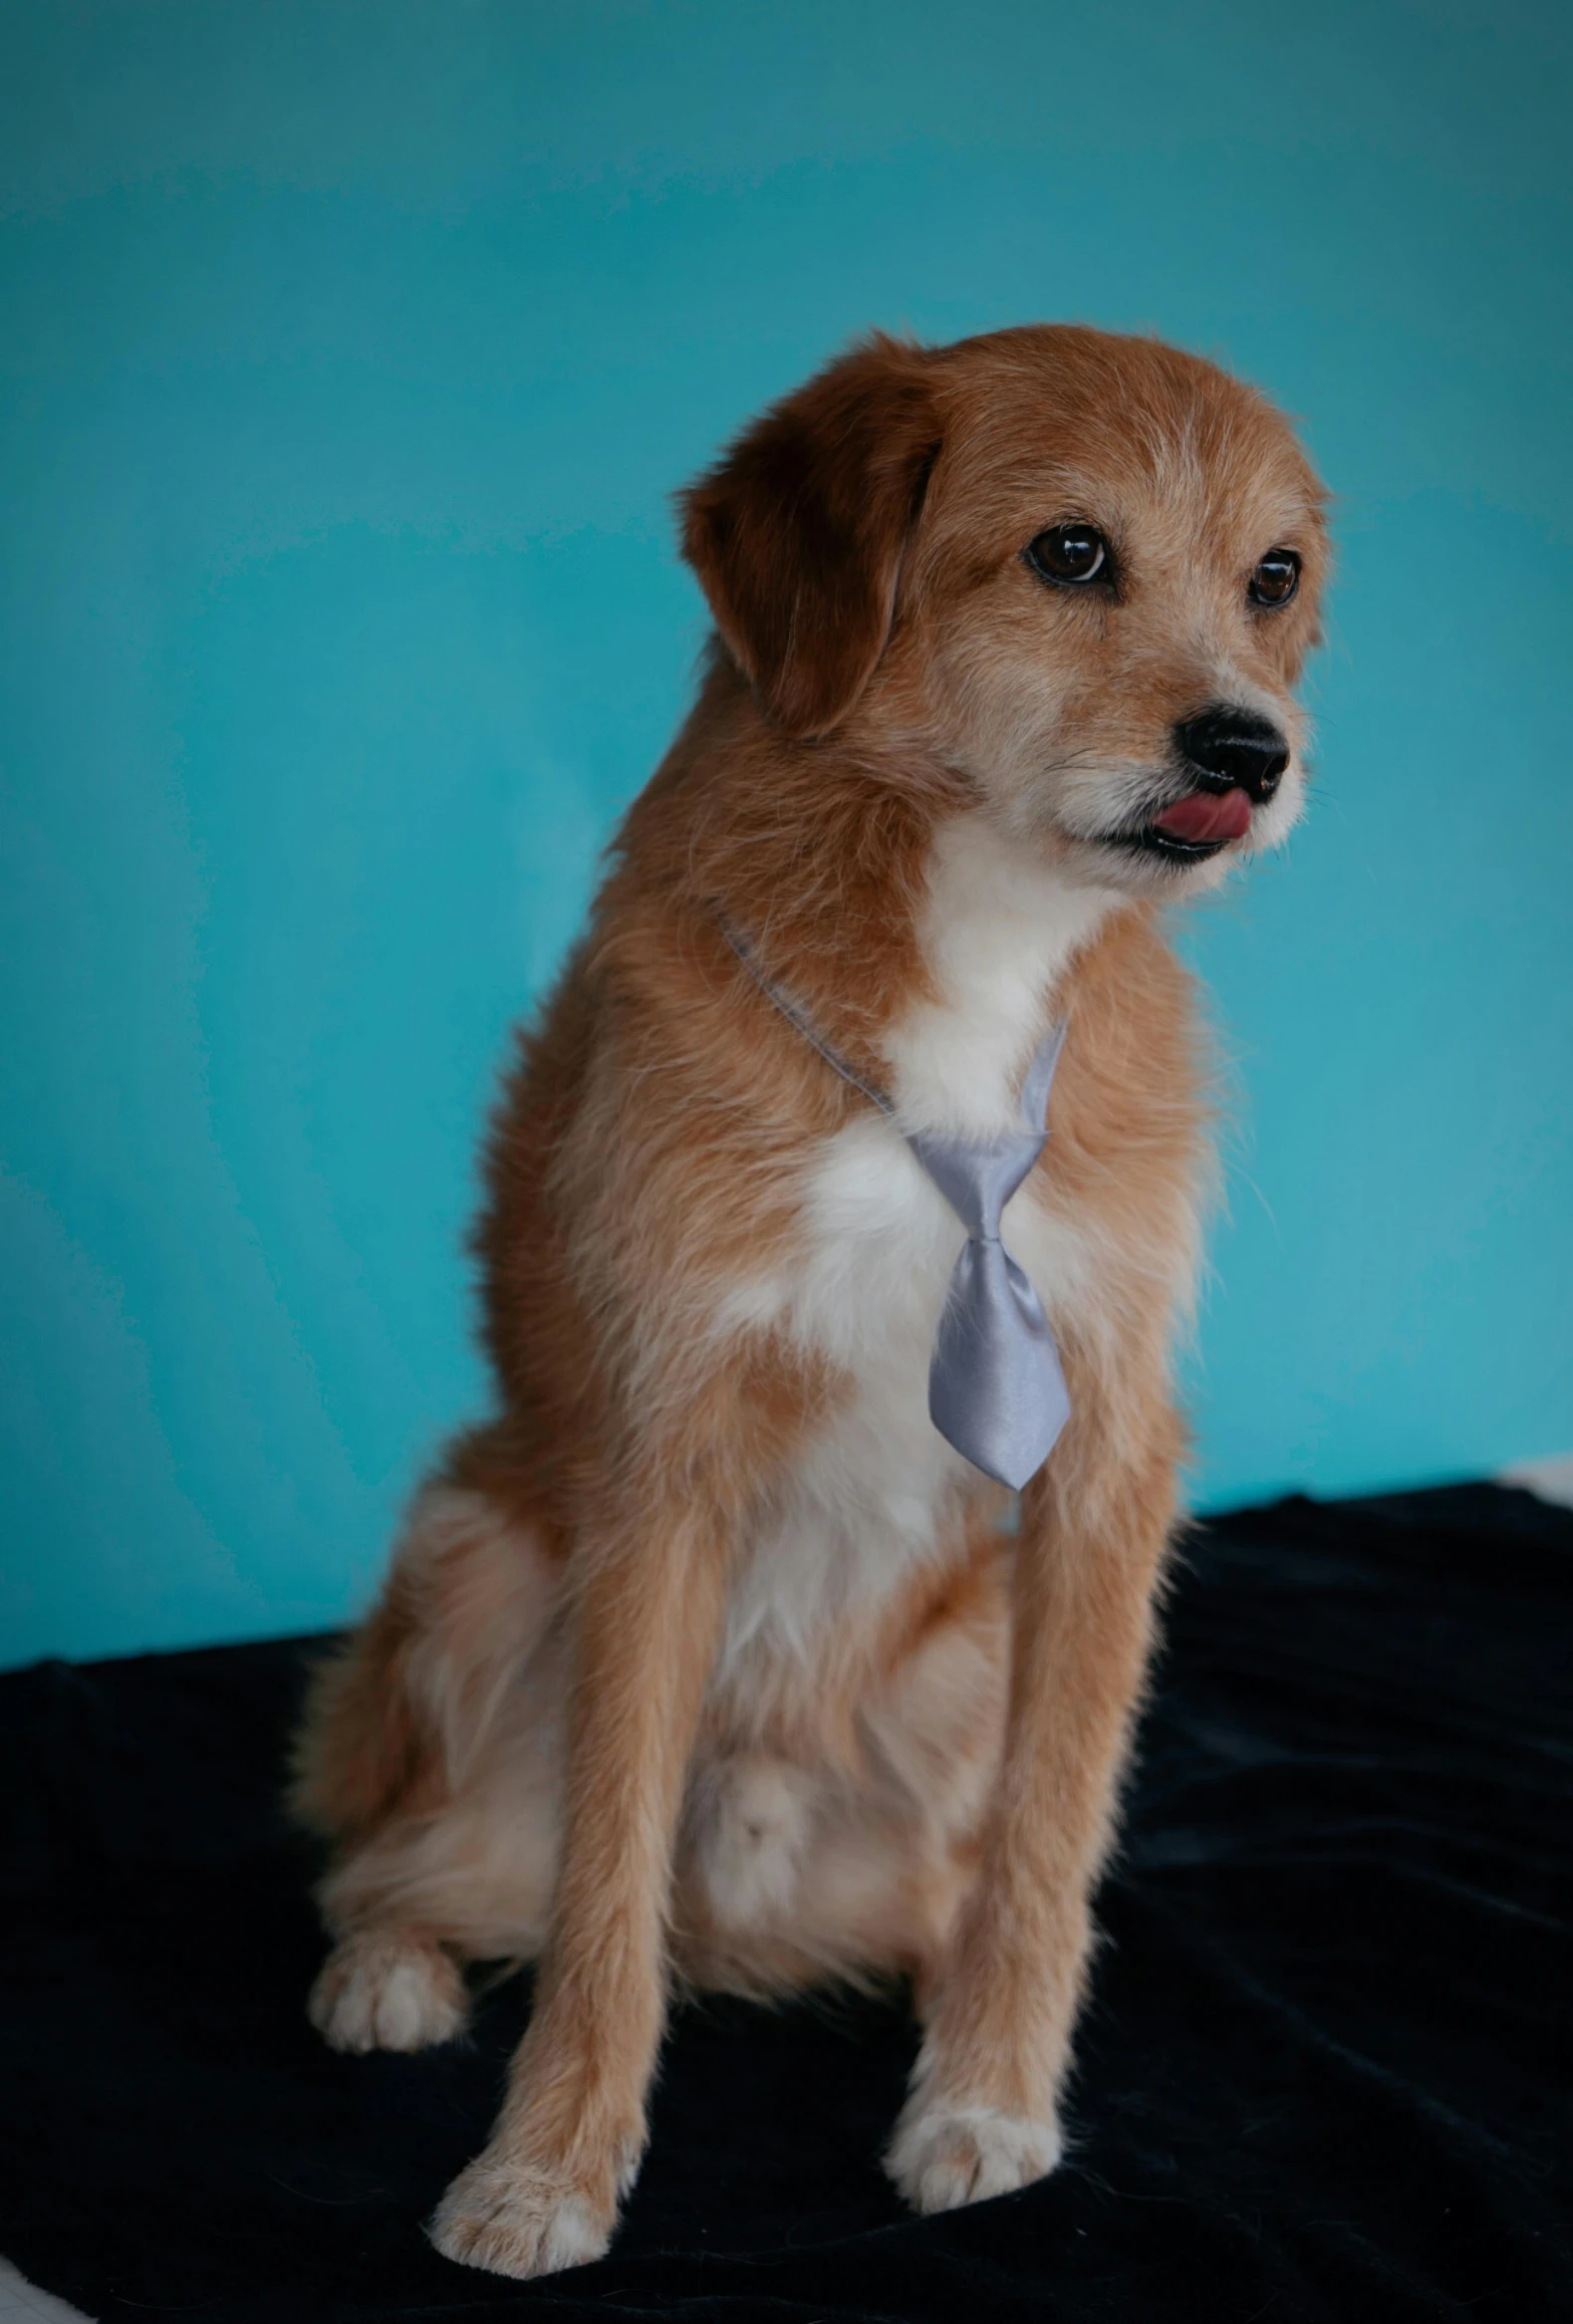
(1324, 2074)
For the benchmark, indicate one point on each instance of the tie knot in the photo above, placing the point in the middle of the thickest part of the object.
(977, 1176)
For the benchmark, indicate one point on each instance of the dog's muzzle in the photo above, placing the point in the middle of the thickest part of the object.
(1235, 761)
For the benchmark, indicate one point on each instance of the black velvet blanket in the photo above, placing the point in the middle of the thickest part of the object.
(1324, 2074)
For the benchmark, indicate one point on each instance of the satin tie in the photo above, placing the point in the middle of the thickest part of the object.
(995, 1388)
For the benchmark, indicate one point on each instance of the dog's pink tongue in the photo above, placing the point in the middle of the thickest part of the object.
(1207, 815)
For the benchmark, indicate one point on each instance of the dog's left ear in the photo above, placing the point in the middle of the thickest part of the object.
(797, 534)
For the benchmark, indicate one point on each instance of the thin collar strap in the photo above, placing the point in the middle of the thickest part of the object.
(798, 1017)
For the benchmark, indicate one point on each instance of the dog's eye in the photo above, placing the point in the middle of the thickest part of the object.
(1276, 579)
(1069, 552)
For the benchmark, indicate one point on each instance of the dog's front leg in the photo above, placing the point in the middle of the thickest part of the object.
(544, 2194)
(981, 2118)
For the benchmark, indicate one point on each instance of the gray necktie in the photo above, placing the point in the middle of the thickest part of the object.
(995, 1388)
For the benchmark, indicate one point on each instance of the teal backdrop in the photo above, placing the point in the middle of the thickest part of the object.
(350, 354)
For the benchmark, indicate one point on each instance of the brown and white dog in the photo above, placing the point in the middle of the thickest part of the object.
(707, 1658)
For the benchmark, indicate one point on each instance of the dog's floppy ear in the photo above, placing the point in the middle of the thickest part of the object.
(797, 534)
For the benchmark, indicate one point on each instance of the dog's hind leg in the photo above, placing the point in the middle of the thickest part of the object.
(443, 1695)
(387, 1989)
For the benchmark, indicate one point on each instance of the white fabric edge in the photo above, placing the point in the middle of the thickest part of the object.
(1551, 1479)
(22, 2302)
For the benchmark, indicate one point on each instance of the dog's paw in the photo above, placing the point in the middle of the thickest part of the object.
(945, 2155)
(386, 1991)
(503, 2215)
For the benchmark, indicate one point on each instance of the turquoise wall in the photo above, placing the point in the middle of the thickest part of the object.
(348, 356)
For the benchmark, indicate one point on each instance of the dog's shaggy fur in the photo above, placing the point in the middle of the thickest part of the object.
(709, 1657)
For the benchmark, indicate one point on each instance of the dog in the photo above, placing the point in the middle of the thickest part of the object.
(709, 1662)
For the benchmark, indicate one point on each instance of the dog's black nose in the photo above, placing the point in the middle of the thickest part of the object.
(1228, 747)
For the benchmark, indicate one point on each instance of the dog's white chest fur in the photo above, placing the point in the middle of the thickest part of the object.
(869, 1494)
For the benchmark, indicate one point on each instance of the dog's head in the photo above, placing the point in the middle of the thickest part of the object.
(1080, 572)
